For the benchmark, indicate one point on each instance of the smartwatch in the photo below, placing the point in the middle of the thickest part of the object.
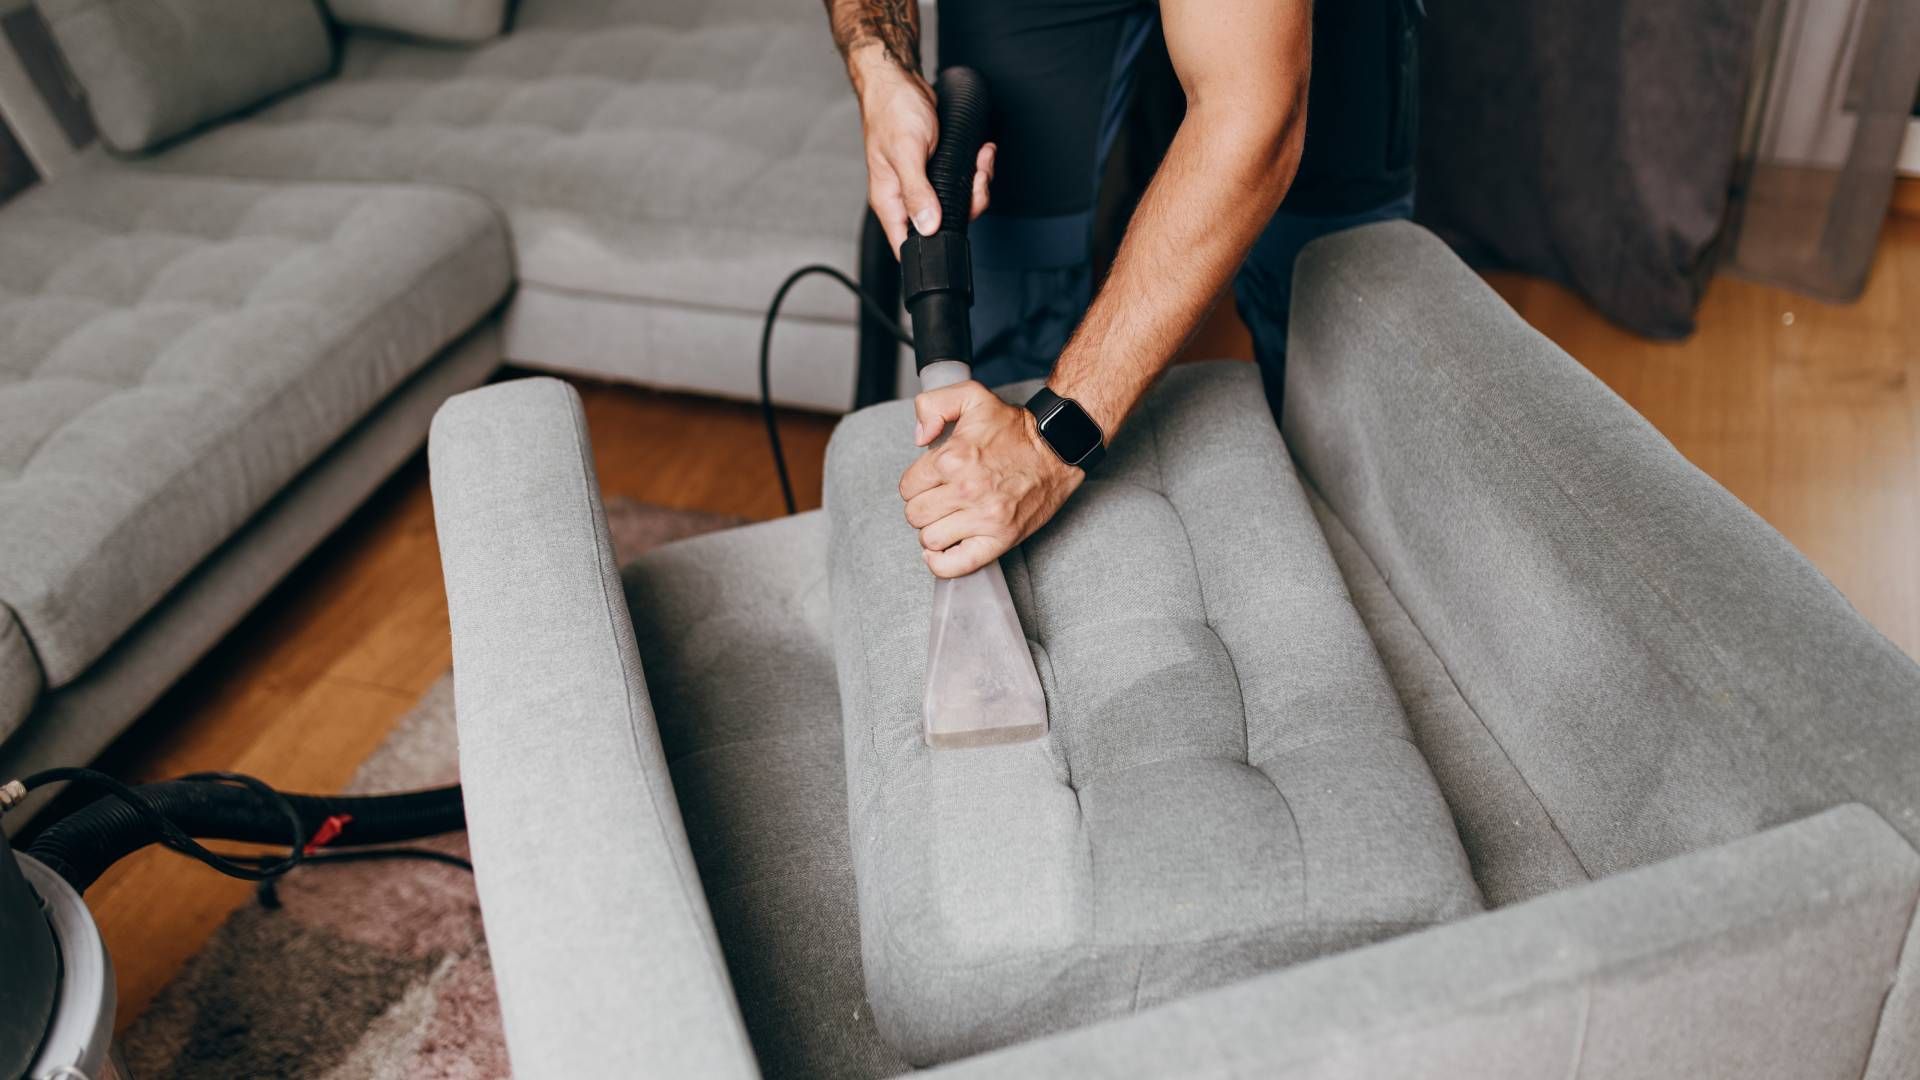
(1067, 428)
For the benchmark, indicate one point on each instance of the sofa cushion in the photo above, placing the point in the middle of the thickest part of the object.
(683, 151)
(173, 351)
(155, 68)
(457, 22)
(1228, 784)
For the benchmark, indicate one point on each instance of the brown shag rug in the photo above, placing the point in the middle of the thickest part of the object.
(367, 970)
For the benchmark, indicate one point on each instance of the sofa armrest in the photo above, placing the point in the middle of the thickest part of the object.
(1766, 958)
(603, 947)
(1662, 668)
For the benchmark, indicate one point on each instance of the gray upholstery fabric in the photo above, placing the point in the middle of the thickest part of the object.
(1765, 959)
(702, 350)
(153, 69)
(78, 721)
(174, 350)
(1228, 784)
(734, 638)
(19, 674)
(460, 22)
(1662, 668)
(681, 152)
(602, 943)
(1509, 838)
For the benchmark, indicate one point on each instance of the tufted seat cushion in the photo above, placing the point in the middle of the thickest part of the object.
(174, 350)
(1228, 784)
(683, 152)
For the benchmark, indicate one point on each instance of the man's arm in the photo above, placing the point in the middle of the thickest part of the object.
(1243, 64)
(891, 25)
(880, 41)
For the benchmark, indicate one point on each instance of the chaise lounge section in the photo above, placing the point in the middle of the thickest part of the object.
(199, 378)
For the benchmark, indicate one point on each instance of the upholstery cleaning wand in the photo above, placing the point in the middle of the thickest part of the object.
(982, 688)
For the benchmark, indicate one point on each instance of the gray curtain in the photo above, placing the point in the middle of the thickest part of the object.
(1830, 112)
(1593, 143)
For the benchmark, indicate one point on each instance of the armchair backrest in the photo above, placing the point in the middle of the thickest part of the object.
(1664, 670)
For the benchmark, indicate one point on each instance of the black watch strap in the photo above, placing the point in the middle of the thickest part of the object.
(1068, 429)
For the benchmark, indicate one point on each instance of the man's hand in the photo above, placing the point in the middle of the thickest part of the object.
(897, 118)
(988, 487)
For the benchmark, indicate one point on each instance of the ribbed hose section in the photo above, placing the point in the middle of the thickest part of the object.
(80, 846)
(963, 112)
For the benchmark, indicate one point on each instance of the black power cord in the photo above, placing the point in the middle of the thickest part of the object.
(873, 307)
(267, 893)
(178, 814)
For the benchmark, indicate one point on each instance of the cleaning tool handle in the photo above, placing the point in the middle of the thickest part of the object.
(963, 110)
(982, 688)
(937, 271)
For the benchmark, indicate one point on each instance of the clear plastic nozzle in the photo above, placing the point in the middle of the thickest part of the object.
(982, 688)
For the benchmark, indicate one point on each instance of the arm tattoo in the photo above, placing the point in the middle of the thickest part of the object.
(892, 24)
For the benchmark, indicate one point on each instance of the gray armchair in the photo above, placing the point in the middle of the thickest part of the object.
(1683, 773)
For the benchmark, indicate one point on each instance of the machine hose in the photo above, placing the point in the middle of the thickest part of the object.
(963, 108)
(80, 846)
(936, 272)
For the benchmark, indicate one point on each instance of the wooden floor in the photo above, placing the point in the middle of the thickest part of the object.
(1808, 412)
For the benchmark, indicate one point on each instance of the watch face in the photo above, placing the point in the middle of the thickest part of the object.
(1071, 431)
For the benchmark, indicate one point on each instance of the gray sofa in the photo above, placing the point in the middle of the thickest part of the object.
(224, 326)
(1483, 736)
(661, 166)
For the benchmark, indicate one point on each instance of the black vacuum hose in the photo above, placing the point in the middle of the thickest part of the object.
(80, 846)
(963, 110)
(936, 272)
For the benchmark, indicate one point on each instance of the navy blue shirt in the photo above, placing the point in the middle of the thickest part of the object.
(1052, 64)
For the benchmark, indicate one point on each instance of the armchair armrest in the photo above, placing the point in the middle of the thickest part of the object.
(1770, 957)
(603, 947)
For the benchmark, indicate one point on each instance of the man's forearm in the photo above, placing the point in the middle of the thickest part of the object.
(1221, 181)
(1243, 65)
(995, 480)
(865, 30)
